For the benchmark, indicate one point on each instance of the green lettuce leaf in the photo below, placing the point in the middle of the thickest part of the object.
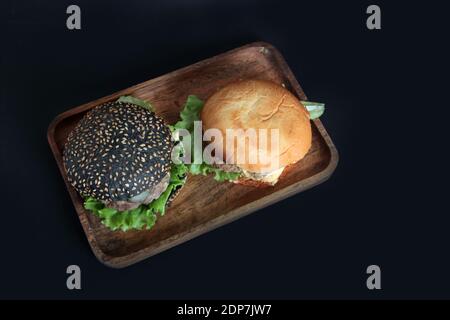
(144, 215)
(219, 175)
(177, 179)
(189, 114)
(315, 109)
(136, 101)
(122, 220)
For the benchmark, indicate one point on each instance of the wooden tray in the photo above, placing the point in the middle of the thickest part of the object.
(203, 204)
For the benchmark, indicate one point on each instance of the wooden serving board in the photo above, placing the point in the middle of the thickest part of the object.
(203, 204)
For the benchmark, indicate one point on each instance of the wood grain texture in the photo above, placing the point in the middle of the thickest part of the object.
(203, 204)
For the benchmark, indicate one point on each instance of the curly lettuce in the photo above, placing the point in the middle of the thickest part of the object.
(315, 109)
(219, 174)
(190, 114)
(143, 216)
(139, 102)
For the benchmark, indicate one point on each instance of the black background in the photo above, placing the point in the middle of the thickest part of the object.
(386, 96)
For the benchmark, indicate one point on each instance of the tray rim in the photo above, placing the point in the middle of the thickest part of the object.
(230, 216)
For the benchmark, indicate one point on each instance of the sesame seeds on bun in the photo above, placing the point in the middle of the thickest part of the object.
(117, 151)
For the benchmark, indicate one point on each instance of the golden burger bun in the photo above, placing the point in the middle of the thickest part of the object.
(260, 104)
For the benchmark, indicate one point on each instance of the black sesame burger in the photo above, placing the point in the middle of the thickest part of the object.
(118, 158)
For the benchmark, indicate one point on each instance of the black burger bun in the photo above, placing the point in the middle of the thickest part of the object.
(117, 151)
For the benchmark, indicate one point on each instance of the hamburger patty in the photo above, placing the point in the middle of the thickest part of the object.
(144, 198)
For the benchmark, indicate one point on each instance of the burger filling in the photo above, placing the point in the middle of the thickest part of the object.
(266, 177)
(143, 198)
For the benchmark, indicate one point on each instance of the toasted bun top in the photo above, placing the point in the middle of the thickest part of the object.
(260, 104)
(117, 151)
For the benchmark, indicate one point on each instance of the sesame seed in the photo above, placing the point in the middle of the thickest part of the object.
(117, 139)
